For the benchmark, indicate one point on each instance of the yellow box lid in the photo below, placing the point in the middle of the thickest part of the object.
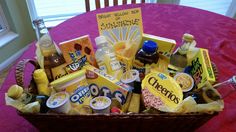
(68, 77)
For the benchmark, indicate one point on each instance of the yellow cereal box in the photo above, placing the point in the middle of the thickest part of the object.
(201, 70)
(101, 84)
(77, 50)
(161, 92)
(165, 46)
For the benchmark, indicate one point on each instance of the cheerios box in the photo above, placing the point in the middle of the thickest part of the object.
(201, 68)
(102, 84)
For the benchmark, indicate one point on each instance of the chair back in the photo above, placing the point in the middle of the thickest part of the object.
(106, 3)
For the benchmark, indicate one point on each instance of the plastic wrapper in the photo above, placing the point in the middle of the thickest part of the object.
(190, 105)
(33, 107)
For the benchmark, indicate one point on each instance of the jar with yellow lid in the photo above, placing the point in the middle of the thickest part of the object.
(179, 58)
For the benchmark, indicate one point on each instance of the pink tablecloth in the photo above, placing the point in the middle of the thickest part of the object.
(214, 32)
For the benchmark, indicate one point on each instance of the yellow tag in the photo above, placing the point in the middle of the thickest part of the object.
(161, 92)
(59, 71)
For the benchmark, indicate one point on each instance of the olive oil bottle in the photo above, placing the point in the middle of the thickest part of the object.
(53, 61)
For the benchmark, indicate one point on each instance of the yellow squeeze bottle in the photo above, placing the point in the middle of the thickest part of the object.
(42, 82)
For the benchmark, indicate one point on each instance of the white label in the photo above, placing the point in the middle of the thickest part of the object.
(115, 65)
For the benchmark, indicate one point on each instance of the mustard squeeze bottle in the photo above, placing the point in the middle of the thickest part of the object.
(42, 82)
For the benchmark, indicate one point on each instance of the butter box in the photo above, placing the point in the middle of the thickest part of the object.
(165, 46)
(201, 68)
(101, 84)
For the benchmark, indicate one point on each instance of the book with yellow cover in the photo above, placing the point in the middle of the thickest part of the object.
(202, 70)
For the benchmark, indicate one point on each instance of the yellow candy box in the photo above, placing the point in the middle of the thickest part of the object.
(201, 68)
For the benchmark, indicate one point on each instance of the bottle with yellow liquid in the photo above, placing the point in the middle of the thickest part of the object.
(53, 61)
(179, 59)
(106, 58)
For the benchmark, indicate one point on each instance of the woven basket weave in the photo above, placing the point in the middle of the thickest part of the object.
(111, 122)
(123, 122)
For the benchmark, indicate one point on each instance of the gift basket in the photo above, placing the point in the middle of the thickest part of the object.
(134, 82)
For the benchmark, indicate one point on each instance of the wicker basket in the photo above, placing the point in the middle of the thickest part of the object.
(123, 122)
(110, 122)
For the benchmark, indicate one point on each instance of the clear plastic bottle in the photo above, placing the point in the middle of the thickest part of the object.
(106, 58)
(179, 58)
(52, 57)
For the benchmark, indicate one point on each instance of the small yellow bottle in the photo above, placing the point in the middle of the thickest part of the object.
(42, 82)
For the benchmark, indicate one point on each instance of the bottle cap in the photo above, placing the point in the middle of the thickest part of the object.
(38, 21)
(149, 46)
(188, 37)
(39, 74)
(15, 91)
(100, 39)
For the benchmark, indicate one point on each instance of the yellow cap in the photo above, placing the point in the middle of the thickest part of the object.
(15, 91)
(188, 37)
(39, 74)
(161, 92)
